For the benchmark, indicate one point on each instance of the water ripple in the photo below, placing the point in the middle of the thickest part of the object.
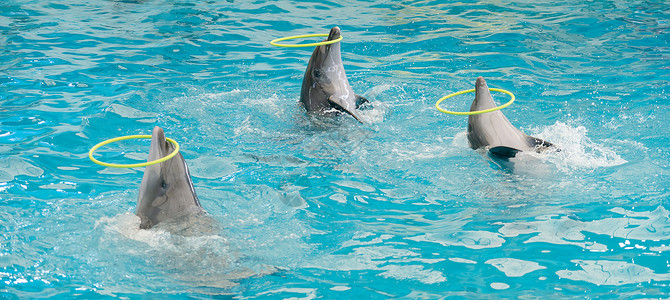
(401, 204)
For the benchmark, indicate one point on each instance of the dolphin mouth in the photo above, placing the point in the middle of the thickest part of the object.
(334, 33)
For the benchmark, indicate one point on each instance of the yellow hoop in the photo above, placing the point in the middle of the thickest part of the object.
(467, 113)
(274, 42)
(129, 137)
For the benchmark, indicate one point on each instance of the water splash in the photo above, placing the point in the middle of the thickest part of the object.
(202, 260)
(578, 151)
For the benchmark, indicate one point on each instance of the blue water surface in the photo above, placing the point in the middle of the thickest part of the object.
(398, 207)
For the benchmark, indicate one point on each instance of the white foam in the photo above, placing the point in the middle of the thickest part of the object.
(269, 105)
(131, 113)
(222, 95)
(247, 128)
(461, 140)
(203, 259)
(376, 113)
(578, 151)
(378, 89)
(158, 239)
(128, 226)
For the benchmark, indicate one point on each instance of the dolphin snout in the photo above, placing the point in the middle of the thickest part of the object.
(158, 134)
(480, 82)
(334, 33)
(481, 88)
(159, 146)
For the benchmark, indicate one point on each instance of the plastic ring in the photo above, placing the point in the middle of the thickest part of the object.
(274, 42)
(467, 113)
(129, 137)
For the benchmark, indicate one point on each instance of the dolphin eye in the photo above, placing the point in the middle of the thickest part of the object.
(317, 73)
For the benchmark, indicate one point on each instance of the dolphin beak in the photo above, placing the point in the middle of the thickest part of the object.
(159, 147)
(481, 86)
(158, 134)
(334, 33)
(483, 98)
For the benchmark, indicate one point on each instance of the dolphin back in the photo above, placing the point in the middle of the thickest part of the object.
(166, 191)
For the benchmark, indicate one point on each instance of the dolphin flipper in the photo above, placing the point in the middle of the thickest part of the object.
(344, 106)
(504, 152)
(360, 100)
(508, 152)
(539, 144)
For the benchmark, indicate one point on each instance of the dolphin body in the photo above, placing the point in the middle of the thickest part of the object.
(493, 130)
(166, 192)
(325, 87)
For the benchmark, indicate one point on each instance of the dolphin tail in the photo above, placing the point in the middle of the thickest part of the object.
(343, 105)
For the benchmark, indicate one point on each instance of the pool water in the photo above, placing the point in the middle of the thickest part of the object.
(398, 207)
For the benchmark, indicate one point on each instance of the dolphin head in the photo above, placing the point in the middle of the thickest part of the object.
(166, 190)
(325, 86)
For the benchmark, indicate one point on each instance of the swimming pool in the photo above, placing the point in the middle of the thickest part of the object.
(397, 207)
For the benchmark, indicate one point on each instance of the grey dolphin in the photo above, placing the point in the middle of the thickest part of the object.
(494, 132)
(166, 191)
(325, 87)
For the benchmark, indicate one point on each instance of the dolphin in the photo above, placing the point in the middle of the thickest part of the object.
(166, 191)
(325, 87)
(493, 130)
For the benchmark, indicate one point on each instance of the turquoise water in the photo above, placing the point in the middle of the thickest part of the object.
(398, 207)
